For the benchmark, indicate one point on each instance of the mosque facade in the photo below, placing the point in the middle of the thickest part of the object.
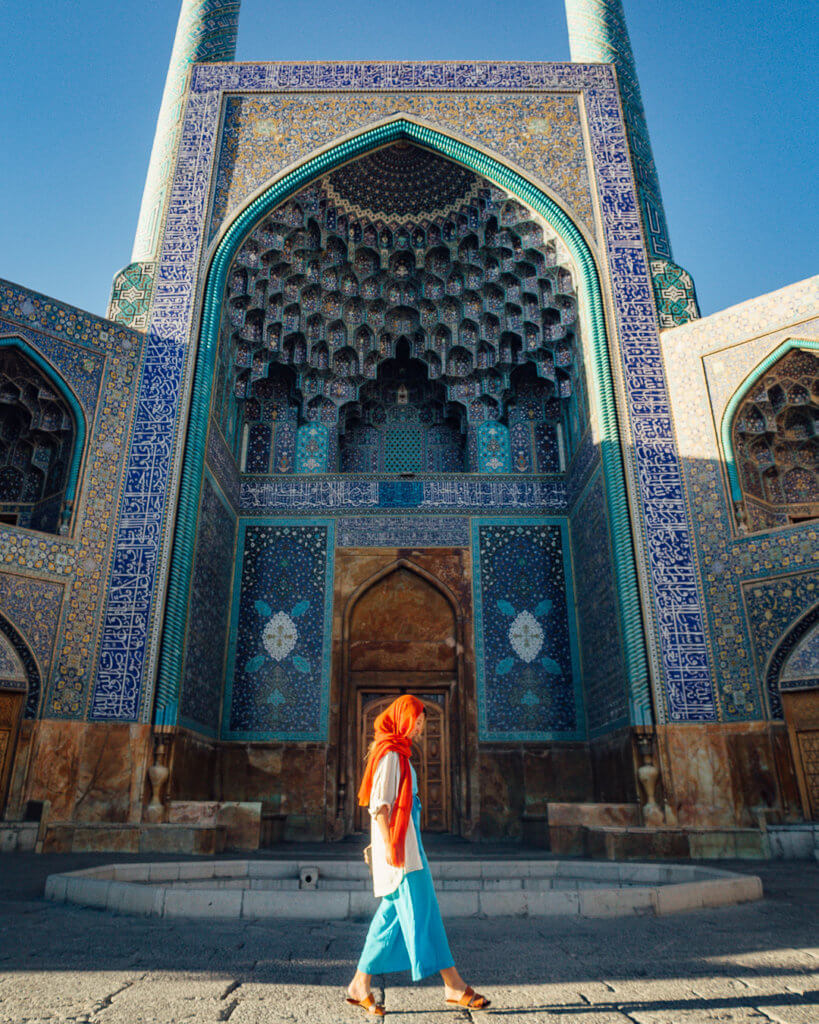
(404, 391)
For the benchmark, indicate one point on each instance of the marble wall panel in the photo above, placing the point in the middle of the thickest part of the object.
(288, 777)
(194, 768)
(88, 771)
(403, 623)
(518, 781)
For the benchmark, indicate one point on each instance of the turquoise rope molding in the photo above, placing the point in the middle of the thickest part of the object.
(170, 658)
(79, 419)
(727, 423)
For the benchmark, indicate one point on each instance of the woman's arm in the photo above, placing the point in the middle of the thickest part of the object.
(382, 820)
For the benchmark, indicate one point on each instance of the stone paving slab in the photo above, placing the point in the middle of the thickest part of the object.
(752, 964)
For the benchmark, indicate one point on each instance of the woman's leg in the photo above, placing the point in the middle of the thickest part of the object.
(455, 987)
(360, 986)
(454, 984)
(384, 951)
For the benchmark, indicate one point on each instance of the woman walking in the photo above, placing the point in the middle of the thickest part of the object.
(407, 933)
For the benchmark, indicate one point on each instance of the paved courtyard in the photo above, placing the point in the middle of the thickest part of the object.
(755, 963)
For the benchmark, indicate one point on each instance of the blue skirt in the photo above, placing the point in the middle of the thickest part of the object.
(407, 933)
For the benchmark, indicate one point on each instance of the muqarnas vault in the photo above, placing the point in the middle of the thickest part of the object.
(403, 390)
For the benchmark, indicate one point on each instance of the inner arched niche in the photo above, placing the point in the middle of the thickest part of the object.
(402, 623)
(403, 249)
(37, 437)
(775, 437)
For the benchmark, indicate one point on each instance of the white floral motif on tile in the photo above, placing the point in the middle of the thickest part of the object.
(526, 636)
(279, 636)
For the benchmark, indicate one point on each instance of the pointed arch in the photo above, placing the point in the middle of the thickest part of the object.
(463, 736)
(602, 393)
(776, 662)
(29, 662)
(65, 391)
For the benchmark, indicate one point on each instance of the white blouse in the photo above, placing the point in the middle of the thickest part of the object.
(386, 781)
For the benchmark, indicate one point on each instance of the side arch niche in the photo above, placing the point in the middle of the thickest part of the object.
(771, 440)
(42, 431)
(480, 290)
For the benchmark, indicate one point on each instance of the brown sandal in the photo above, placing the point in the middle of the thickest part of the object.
(368, 1004)
(471, 999)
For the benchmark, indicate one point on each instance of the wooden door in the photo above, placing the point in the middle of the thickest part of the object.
(429, 754)
(802, 716)
(11, 709)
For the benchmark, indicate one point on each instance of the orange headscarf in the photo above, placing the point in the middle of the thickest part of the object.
(392, 731)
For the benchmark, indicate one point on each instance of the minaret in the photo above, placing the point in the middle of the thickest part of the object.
(598, 35)
(206, 32)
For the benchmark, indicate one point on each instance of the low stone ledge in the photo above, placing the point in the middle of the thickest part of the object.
(257, 890)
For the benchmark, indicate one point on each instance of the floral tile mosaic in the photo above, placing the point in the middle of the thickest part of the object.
(278, 671)
(264, 134)
(526, 647)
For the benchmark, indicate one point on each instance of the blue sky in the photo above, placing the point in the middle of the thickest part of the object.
(729, 88)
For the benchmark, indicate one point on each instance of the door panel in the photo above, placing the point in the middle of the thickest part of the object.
(429, 755)
(11, 708)
(802, 715)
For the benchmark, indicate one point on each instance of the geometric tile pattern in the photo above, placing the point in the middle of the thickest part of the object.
(675, 294)
(278, 670)
(141, 549)
(604, 670)
(131, 295)
(526, 658)
(208, 614)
